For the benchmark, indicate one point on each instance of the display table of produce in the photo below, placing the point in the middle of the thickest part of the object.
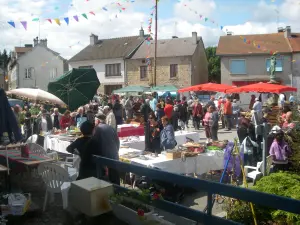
(181, 161)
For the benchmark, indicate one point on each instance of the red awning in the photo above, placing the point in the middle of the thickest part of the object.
(207, 87)
(263, 88)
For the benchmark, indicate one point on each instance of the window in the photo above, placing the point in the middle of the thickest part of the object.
(113, 70)
(173, 70)
(85, 67)
(279, 67)
(53, 74)
(238, 66)
(143, 72)
(29, 73)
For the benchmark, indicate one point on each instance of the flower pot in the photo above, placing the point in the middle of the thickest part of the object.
(129, 215)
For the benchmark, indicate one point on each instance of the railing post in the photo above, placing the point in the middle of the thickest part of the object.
(266, 130)
(209, 203)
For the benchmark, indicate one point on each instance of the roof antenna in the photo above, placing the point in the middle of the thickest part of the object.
(277, 20)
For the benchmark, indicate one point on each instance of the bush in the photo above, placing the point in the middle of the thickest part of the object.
(284, 184)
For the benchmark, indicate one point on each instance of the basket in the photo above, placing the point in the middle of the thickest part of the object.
(18, 204)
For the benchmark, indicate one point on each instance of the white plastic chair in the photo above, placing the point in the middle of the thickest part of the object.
(32, 139)
(57, 181)
(39, 150)
(72, 166)
(256, 173)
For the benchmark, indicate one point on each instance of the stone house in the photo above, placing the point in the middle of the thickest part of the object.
(180, 61)
(107, 57)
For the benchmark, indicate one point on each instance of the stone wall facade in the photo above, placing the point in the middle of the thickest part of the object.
(183, 78)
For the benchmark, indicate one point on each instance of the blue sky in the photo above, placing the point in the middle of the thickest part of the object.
(239, 16)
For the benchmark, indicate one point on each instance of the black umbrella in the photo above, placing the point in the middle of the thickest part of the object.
(8, 121)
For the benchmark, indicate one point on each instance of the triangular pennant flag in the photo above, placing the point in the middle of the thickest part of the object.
(222, 27)
(200, 16)
(66, 20)
(12, 23)
(49, 20)
(35, 19)
(206, 19)
(84, 15)
(92, 13)
(57, 21)
(105, 9)
(24, 24)
(75, 18)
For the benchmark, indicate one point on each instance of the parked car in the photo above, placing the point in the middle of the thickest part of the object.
(14, 102)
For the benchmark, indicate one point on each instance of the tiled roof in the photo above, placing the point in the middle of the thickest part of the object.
(167, 48)
(235, 45)
(109, 49)
(295, 42)
(22, 49)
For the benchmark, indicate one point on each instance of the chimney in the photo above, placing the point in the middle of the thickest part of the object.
(43, 42)
(35, 41)
(280, 29)
(174, 37)
(194, 38)
(142, 33)
(287, 32)
(93, 39)
(229, 33)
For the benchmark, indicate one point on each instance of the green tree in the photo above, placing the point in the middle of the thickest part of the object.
(214, 65)
(4, 59)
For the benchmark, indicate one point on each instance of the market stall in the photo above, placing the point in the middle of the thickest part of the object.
(60, 142)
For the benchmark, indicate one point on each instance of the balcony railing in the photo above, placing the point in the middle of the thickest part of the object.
(258, 198)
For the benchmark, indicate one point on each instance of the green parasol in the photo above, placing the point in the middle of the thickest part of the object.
(76, 87)
(132, 89)
(164, 88)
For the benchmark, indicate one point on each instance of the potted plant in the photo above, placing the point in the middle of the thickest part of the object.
(128, 208)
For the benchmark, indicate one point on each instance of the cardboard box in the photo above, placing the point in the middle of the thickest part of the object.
(91, 196)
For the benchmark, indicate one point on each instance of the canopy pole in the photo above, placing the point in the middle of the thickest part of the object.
(155, 44)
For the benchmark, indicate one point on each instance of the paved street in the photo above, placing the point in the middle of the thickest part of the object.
(198, 200)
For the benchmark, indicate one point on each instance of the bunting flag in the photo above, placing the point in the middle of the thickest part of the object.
(57, 21)
(84, 15)
(66, 20)
(24, 24)
(12, 23)
(92, 13)
(49, 20)
(76, 18)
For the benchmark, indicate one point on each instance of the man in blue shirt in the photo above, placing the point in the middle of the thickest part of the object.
(153, 103)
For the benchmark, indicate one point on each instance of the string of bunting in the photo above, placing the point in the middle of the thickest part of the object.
(264, 49)
(202, 17)
(67, 20)
(148, 40)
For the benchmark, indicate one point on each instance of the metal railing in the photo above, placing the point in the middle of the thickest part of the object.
(258, 198)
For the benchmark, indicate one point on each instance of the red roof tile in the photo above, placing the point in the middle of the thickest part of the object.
(236, 45)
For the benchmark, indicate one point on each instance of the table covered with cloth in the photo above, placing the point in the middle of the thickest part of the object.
(126, 130)
(180, 136)
(199, 164)
(58, 143)
(17, 162)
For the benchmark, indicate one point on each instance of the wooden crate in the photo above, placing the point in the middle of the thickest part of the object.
(173, 155)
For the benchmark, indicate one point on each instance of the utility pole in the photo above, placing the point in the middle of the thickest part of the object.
(155, 44)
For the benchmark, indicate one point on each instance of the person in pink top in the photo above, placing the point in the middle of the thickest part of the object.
(207, 121)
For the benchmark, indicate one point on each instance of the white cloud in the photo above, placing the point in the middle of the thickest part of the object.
(105, 25)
